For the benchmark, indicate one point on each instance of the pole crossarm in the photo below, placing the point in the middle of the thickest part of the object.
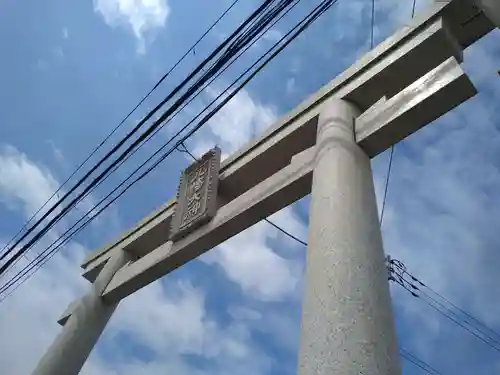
(407, 81)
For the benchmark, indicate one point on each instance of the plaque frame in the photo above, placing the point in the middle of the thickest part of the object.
(180, 228)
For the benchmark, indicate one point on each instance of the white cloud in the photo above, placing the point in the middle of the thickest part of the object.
(290, 85)
(27, 185)
(240, 120)
(273, 36)
(141, 16)
(252, 264)
(24, 183)
(159, 326)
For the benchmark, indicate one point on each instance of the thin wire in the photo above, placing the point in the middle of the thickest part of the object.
(494, 340)
(429, 302)
(286, 232)
(387, 180)
(471, 317)
(120, 124)
(413, 9)
(296, 31)
(226, 56)
(372, 35)
(316, 13)
(186, 151)
(418, 362)
(479, 326)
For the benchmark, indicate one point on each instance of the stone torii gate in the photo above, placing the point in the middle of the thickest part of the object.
(322, 147)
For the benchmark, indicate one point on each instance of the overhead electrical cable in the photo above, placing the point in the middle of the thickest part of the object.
(418, 362)
(391, 155)
(480, 331)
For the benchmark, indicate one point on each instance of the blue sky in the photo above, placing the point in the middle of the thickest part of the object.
(70, 72)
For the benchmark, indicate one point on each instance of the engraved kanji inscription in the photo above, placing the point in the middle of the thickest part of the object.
(197, 195)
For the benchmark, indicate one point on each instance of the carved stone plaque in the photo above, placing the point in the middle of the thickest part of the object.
(197, 195)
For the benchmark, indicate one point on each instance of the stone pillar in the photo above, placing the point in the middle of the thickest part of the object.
(67, 355)
(347, 321)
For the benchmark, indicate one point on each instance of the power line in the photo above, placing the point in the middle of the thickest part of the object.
(120, 124)
(386, 189)
(450, 317)
(467, 317)
(389, 167)
(285, 232)
(185, 150)
(222, 60)
(398, 276)
(418, 362)
(293, 33)
(465, 313)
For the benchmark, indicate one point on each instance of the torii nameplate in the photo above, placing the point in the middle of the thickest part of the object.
(197, 195)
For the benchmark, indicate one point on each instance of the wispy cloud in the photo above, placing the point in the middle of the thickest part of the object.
(242, 119)
(24, 183)
(141, 16)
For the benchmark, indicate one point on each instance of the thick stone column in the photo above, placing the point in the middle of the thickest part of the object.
(347, 322)
(68, 353)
